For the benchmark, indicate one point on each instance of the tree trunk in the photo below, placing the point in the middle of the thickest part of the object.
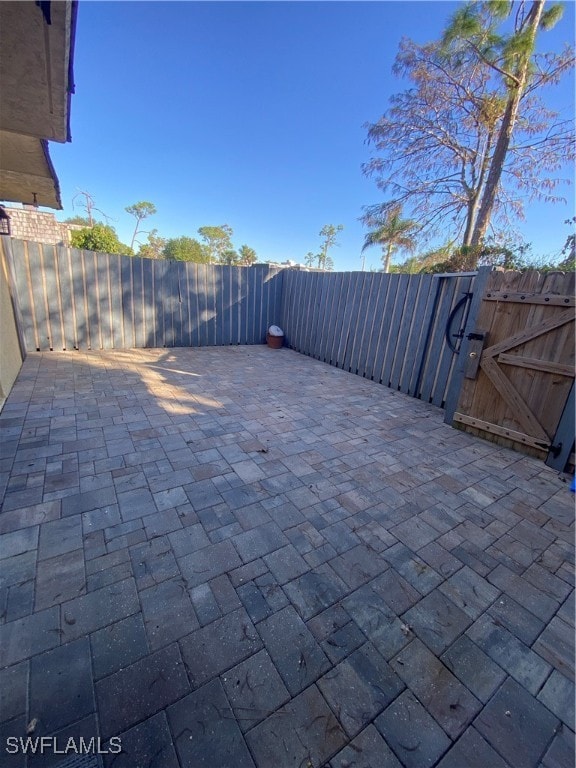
(505, 134)
(470, 219)
(387, 258)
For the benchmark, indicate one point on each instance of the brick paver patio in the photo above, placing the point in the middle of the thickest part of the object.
(239, 556)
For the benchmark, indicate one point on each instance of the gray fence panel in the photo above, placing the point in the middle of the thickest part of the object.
(185, 299)
(356, 320)
(383, 289)
(414, 348)
(445, 291)
(235, 315)
(448, 359)
(363, 294)
(308, 314)
(66, 298)
(200, 290)
(408, 310)
(348, 320)
(176, 298)
(287, 307)
(52, 295)
(324, 287)
(259, 333)
(389, 328)
(125, 267)
(35, 267)
(343, 320)
(103, 300)
(224, 327)
(193, 302)
(390, 324)
(334, 320)
(23, 289)
(243, 307)
(114, 278)
(369, 321)
(298, 307)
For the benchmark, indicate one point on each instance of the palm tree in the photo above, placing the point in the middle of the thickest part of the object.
(390, 232)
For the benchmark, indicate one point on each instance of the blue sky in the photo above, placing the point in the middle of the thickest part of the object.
(249, 114)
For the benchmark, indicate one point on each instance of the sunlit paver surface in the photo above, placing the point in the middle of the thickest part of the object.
(244, 557)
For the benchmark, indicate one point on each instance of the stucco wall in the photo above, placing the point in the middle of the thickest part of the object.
(10, 355)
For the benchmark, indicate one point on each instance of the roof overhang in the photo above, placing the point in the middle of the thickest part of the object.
(36, 84)
(26, 171)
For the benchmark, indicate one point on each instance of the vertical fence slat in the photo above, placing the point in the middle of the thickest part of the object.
(376, 345)
(223, 336)
(333, 324)
(322, 286)
(347, 320)
(149, 320)
(244, 303)
(447, 358)
(307, 312)
(257, 278)
(184, 295)
(371, 298)
(25, 301)
(103, 298)
(125, 268)
(200, 276)
(194, 303)
(417, 331)
(138, 304)
(403, 333)
(359, 317)
(73, 297)
(38, 292)
(434, 348)
(355, 318)
(385, 338)
(328, 301)
(298, 303)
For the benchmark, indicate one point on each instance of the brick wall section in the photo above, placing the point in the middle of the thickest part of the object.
(38, 226)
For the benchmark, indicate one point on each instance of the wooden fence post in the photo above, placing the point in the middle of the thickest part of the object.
(457, 379)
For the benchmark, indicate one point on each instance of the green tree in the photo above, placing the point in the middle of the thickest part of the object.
(568, 263)
(140, 211)
(154, 248)
(436, 143)
(82, 221)
(100, 237)
(310, 259)
(329, 232)
(247, 255)
(186, 249)
(217, 241)
(476, 31)
(230, 257)
(391, 232)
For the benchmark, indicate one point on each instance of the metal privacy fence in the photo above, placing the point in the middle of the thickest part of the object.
(74, 299)
(399, 330)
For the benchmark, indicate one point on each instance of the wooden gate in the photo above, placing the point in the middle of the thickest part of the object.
(519, 365)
